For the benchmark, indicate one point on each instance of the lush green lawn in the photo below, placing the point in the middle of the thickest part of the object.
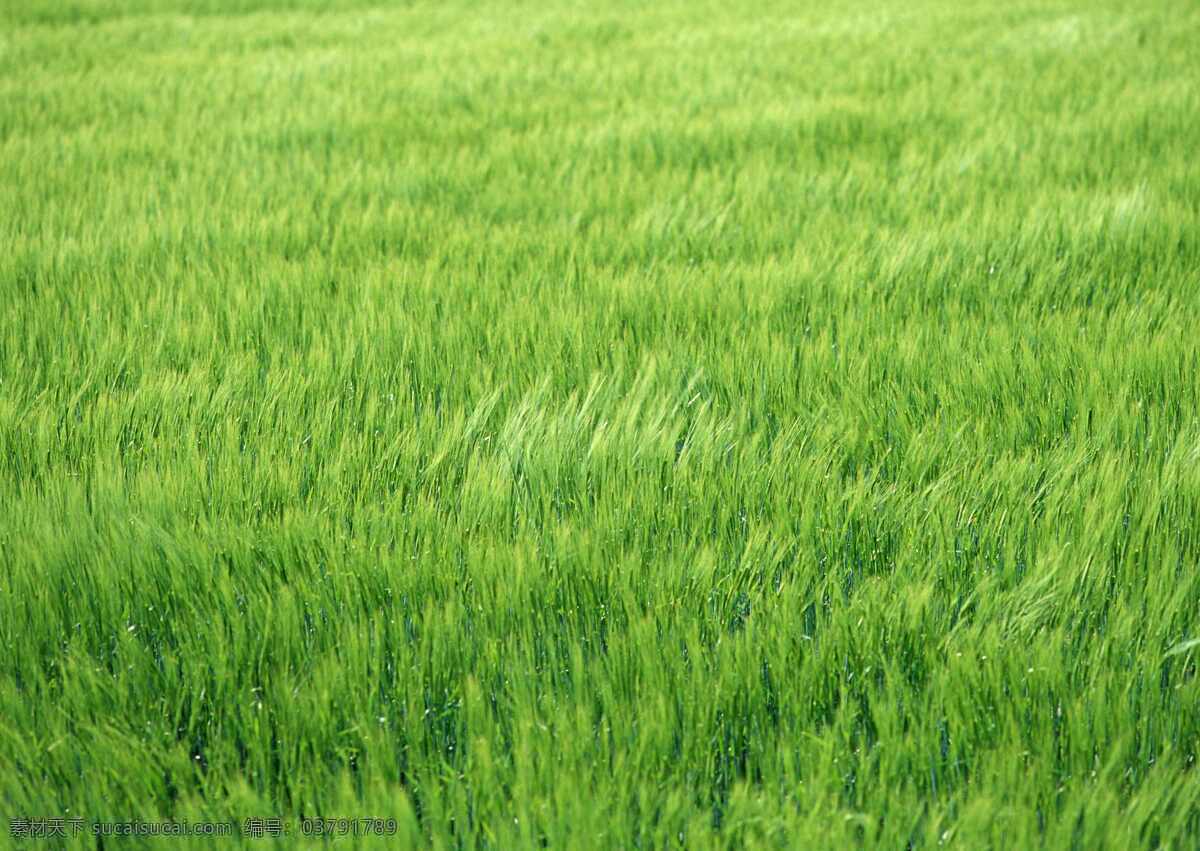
(603, 424)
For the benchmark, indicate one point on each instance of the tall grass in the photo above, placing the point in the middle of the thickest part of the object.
(603, 425)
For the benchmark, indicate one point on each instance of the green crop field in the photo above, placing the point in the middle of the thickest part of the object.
(600, 424)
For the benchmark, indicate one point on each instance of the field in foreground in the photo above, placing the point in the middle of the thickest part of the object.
(603, 425)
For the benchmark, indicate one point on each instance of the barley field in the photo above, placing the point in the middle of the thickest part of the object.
(600, 425)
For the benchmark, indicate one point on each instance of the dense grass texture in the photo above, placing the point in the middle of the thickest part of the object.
(603, 425)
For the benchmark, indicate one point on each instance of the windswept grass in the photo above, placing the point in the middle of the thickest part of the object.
(604, 425)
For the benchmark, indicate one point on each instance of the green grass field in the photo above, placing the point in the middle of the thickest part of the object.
(602, 425)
